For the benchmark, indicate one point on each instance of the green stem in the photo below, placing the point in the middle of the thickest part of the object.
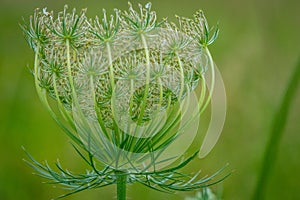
(36, 70)
(181, 78)
(211, 63)
(70, 76)
(143, 105)
(276, 132)
(111, 69)
(121, 185)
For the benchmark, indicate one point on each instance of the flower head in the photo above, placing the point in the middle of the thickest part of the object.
(123, 87)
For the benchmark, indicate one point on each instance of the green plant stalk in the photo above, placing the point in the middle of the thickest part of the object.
(212, 81)
(143, 106)
(181, 77)
(276, 132)
(121, 185)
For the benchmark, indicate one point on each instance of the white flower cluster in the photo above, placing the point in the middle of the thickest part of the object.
(117, 71)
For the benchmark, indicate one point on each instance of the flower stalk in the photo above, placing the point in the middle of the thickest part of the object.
(121, 185)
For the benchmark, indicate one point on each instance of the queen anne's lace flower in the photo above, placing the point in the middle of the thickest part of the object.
(121, 85)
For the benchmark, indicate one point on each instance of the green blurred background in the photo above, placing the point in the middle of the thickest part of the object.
(256, 51)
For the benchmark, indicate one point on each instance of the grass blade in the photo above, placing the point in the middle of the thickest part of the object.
(276, 132)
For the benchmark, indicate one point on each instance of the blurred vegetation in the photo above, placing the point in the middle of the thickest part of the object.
(256, 51)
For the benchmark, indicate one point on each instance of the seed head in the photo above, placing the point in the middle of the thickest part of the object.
(122, 83)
